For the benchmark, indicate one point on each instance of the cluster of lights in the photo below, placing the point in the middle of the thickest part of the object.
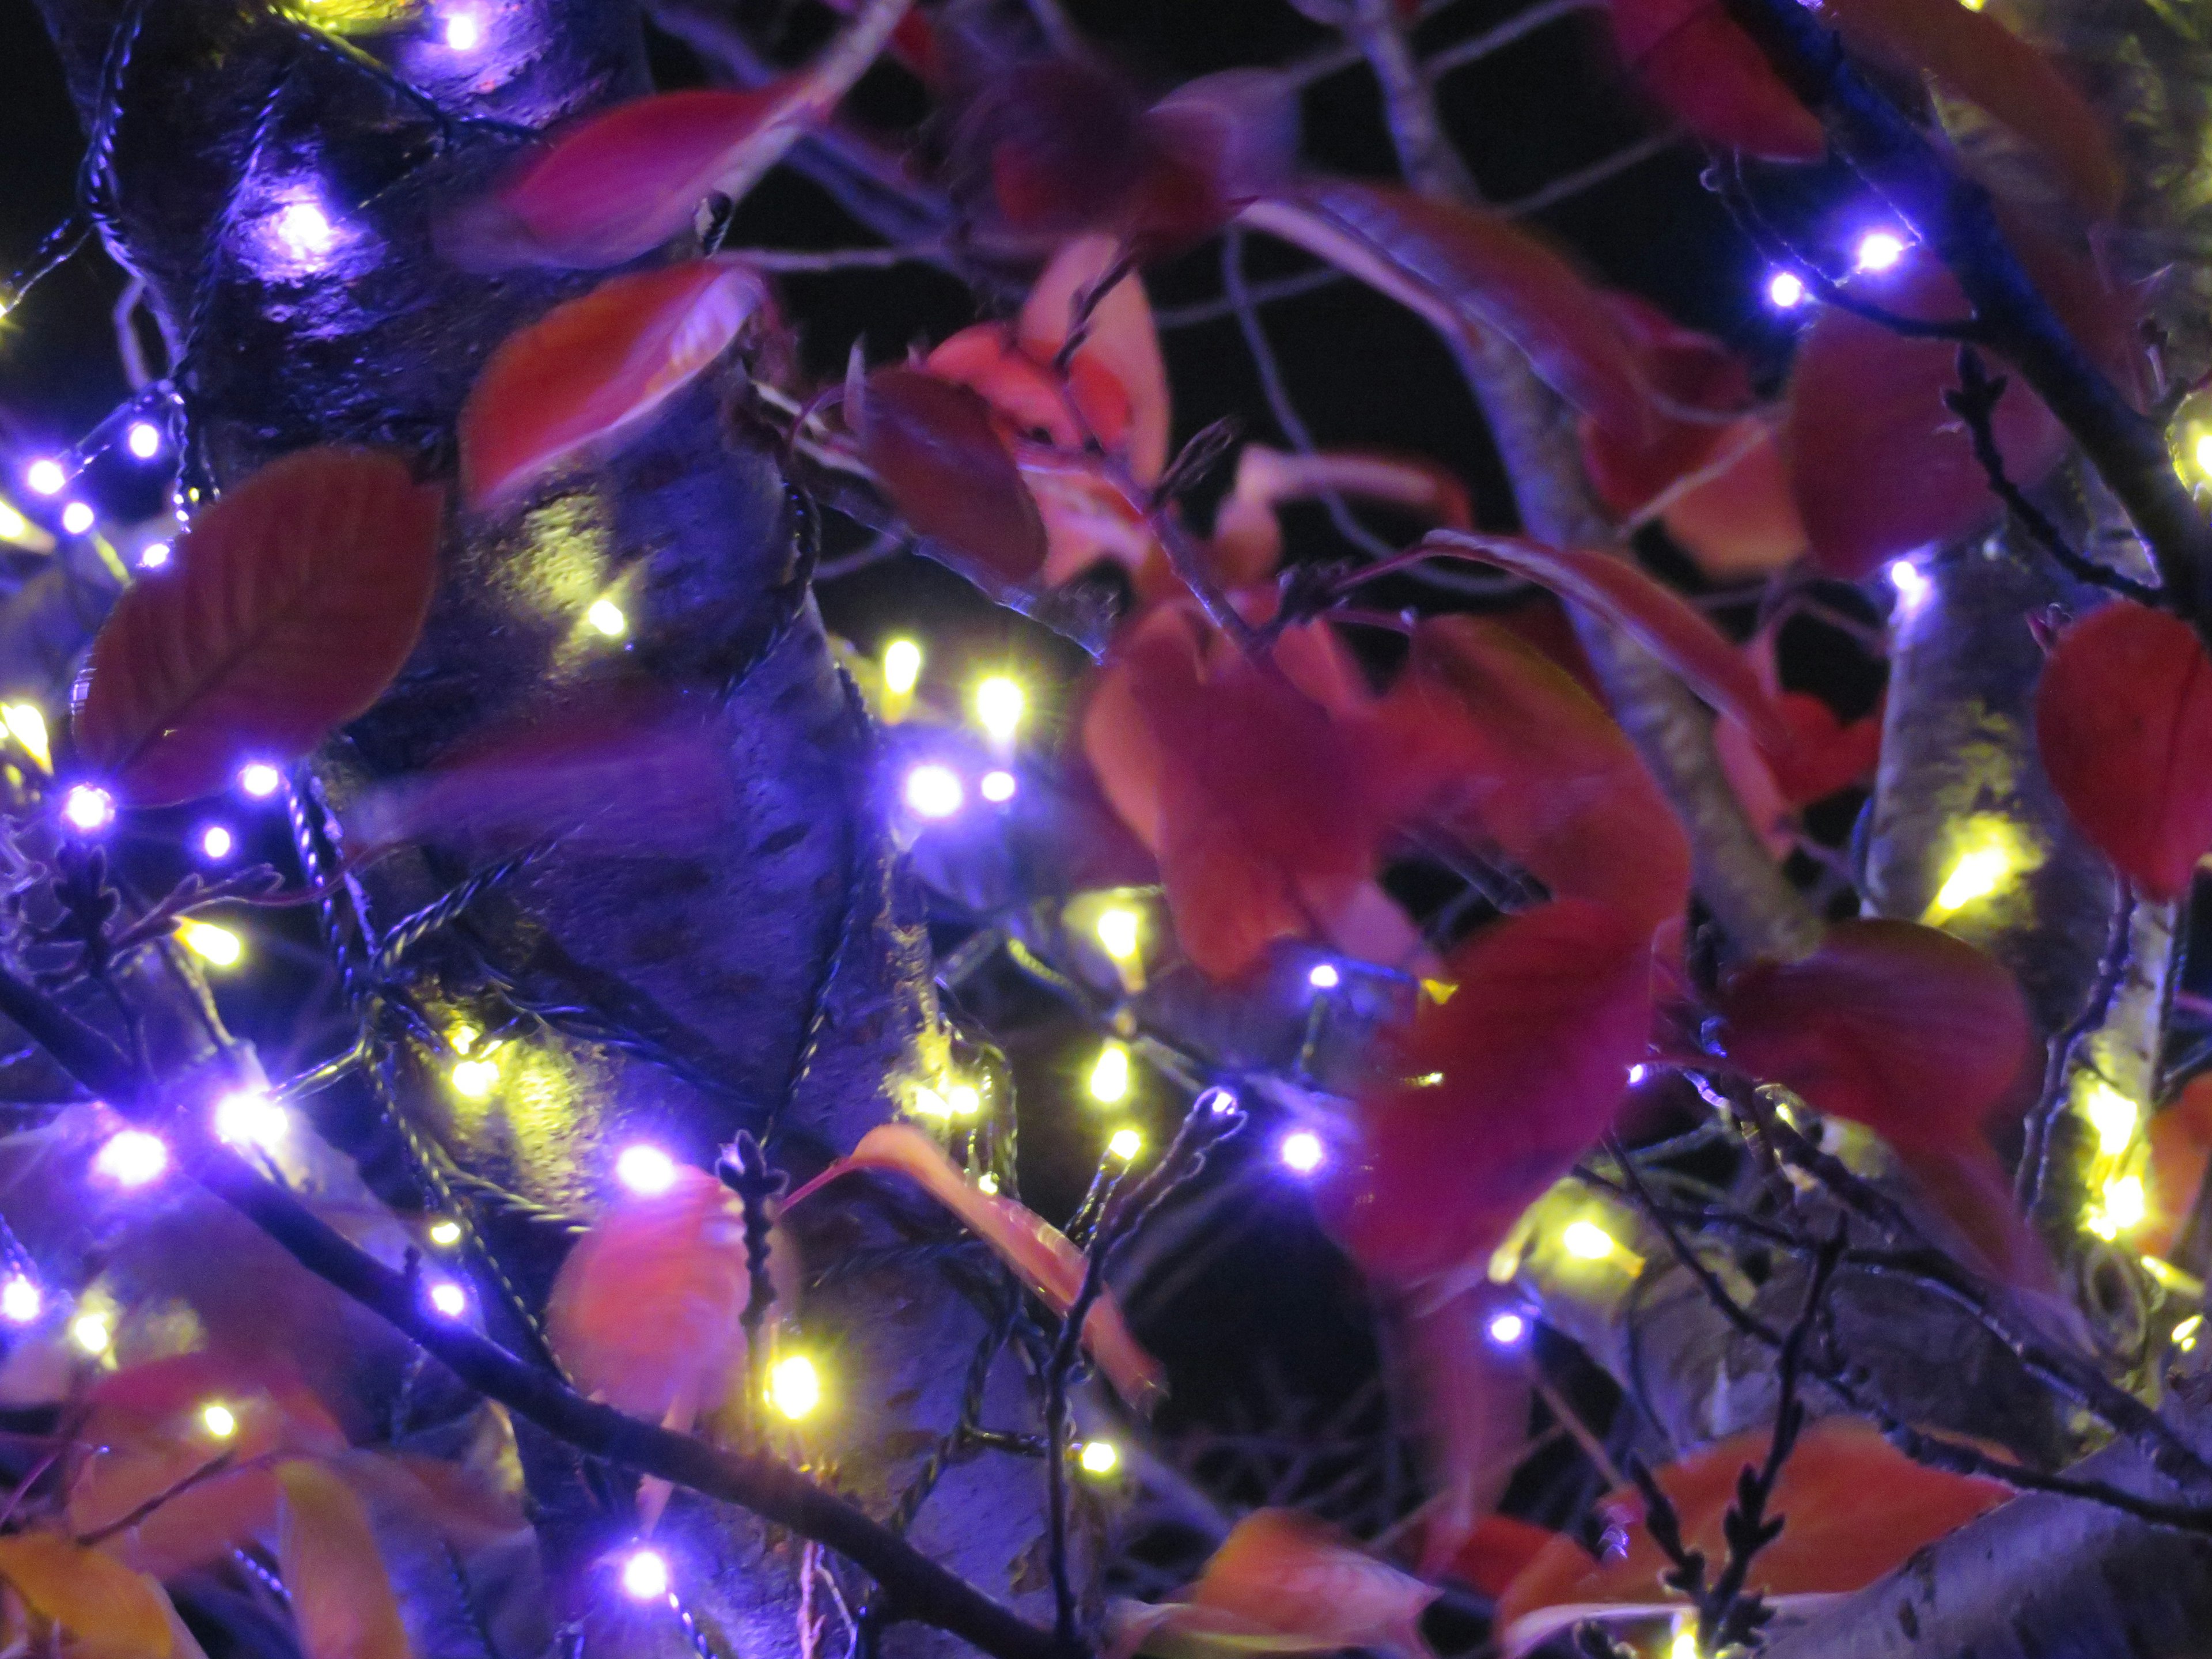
(2124, 1208)
(933, 790)
(952, 1101)
(1878, 250)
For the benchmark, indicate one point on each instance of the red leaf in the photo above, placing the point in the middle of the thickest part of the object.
(1247, 537)
(1248, 793)
(644, 1314)
(295, 599)
(1826, 756)
(1715, 78)
(1534, 1049)
(1856, 1507)
(1913, 1033)
(1058, 148)
(1038, 1252)
(1718, 485)
(1976, 58)
(1458, 265)
(1666, 623)
(1497, 1551)
(616, 186)
(591, 369)
(933, 446)
(2124, 723)
(1119, 342)
(1501, 747)
(1880, 466)
(1474, 1398)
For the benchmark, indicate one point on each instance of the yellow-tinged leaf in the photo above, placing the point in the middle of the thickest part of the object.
(342, 1599)
(109, 1611)
(1037, 1250)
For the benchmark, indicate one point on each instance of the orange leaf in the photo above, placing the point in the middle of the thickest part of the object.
(1288, 1572)
(341, 1595)
(644, 1314)
(2123, 724)
(1458, 266)
(1904, 1029)
(146, 1421)
(1501, 746)
(1662, 619)
(109, 1611)
(1038, 1252)
(1120, 341)
(2180, 1139)
(297, 598)
(1857, 1508)
(589, 370)
(933, 447)
(1512, 1079)
(1713, 76)
(1974, 57)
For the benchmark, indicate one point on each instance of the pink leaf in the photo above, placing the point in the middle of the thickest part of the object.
(933, 447)
(296, 599)
(620, 183)
(1666, 623)
(2124, 723)
(1511, 1082)
(1461, 266)
(1038, 1252)
(591, 369)
(616, 186)
(1120, 340)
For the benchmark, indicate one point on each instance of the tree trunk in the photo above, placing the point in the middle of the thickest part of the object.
(771, 976)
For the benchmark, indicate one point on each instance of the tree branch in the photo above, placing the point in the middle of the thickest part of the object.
(1956, 218)
(915, 1586)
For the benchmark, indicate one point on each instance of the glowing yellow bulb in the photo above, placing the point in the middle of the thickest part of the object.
(464, 1038)
(219, 1420)
(1685, 1645)
(2185, 1333)
(963, 1100)
(91, 1333)
(1118, 930)
(2125, 1204)
(1109, 1075)
(2204, 453)
(1976, 875)
(1586, 1241)
(794, 1388)
(2113, 1115)
(1125, 1144)
(473, 1080)
(1098, 1457)
(607, 617)
(217, 946)
(928, 1103)
(998, 706)
(902, 667)
(446, 1234)
(29, 727)
(14, 526)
